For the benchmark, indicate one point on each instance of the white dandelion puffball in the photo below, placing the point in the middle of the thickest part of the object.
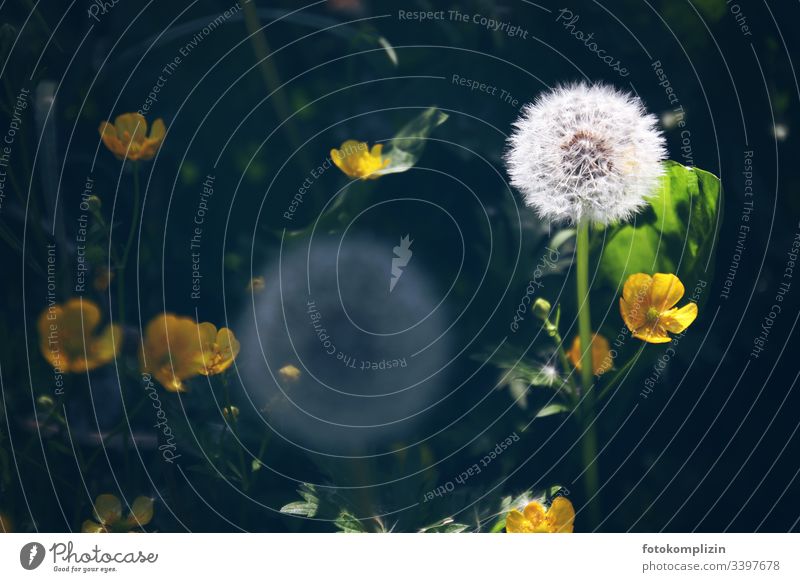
(586, 152)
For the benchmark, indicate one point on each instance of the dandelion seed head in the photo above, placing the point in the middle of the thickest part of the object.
(550, 372)
(586, 152)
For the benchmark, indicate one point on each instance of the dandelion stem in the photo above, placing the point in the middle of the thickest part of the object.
(587, 416)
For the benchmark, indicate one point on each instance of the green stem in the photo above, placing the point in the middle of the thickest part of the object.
(128, 244)
(587, 412)
(621, 372)
(569, 382)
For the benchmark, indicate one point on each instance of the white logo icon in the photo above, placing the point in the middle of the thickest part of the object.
(402, 256)
(31, 555)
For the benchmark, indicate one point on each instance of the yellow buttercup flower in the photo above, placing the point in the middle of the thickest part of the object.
(356, 160)
(648, 307)
(256, 285)
(102, 279)
(219, 348)
(177, 348)
(67, 336)
(230, 413)
(6, 526)
(108, 513)
(559, 518)
(289, 373)
(171, 350)
(601, 354)
(128, 136)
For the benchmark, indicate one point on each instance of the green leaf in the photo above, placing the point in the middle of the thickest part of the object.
(390, 52)
(299, 508)
(347, 523)
(675, 234)
(506, 505)
(446, 526)
(551, 409)
(407, 145)
(561, 237)
(308, 507)
(519, 392)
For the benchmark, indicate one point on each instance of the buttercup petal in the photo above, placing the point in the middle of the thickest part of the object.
(290, 373)
(67, 340)
(228, 344)
(108, 133)
(141, 512)
(207, 335)
(561, 516)
(635, 300)
(105, 347)
(536, 515)
(81, 314)
(665, 291)
(90, 526)
(637, 288)
(601, 354)
(653, 334)
(158, 131)
(108, 509)
(677, 320)
(131, 127)
(516, 523)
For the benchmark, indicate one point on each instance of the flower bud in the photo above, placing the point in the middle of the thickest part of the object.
(94, 203)
(541, 309)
